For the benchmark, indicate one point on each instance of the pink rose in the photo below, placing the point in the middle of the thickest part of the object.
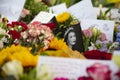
(99, 71)
(87, 33)
(102, 37)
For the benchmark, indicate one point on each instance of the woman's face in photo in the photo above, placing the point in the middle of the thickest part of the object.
(72, 38)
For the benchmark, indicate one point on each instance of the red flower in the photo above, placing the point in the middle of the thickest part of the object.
(85, 78)
(51, 25)
(118, 74)
(24, 25)
(61, 78)
(96, 54)
(15, 34)
(5, 20)
(10, 25)
(15, 23)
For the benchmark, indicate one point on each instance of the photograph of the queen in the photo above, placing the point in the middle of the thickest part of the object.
(73, 38)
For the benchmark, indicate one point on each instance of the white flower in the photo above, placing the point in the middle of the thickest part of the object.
(43, 73)
(92, 47)
(1, 44)
(2, 31)
(13, 68)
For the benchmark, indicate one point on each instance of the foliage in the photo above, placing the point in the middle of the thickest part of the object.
(34, 8)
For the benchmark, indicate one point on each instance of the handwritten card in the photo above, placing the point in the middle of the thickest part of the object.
(72, 68)
(58, 8)
(11, 9)
(83, 10)
(104, 26)
(43, 17)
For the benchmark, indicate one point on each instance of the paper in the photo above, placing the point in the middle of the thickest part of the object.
(11, 9)
(104, 26)
(83, 10)
(43, 17)
(58, 9)
(71, 68)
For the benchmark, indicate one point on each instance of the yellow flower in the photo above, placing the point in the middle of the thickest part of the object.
(22, 54)
(63, 17)
(113, 1)
(2, 57)
(58, 44)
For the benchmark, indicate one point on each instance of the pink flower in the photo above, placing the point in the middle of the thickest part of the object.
(99, 71)
(61, 78)
(85, 78)
(87, 33)
(102, 37)
(24, 12)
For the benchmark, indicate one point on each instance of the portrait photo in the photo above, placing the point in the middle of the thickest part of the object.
(73, 38)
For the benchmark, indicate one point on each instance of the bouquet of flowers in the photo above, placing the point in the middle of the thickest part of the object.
(34, 35)
(64, 20)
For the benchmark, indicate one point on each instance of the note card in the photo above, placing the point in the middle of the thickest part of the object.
(83, 10)
(104, 26)
(11, 9)
(43, 17)
(72, 68)
(60, 8)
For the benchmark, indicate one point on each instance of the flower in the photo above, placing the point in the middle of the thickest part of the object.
(14, 34)
(63, 17)
(96, 54)
(102, 36)
(99, 71)
(13, 68)
(43, 72)
(37, 35)
(85, 78)
(62, 78)
(19, 53)
(58, 44)
(87, 33)
(91, 36)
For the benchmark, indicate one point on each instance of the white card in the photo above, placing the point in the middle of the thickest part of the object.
(104, 26)
(11, 9)
(72, 68)
(58, 9)
(43, 17)
(83, 10)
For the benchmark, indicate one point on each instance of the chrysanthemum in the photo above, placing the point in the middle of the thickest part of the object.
(63, 17)
(20, 53)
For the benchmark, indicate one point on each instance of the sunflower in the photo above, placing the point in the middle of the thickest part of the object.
(58, 44)
(62, 17)
(20, 53)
